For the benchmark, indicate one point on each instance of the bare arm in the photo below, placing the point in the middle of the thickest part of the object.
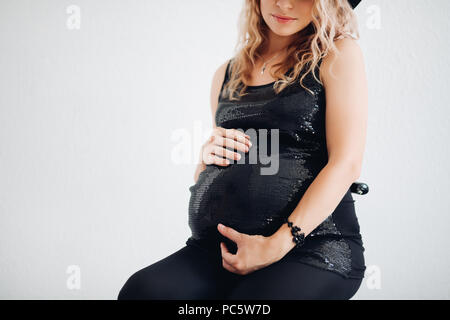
(346, 123)
(216, 85)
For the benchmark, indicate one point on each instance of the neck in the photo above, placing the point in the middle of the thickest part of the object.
(276, 43)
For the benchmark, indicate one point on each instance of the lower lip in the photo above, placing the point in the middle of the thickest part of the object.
(283, 20)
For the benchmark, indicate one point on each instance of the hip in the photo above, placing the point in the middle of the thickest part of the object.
(343, 256)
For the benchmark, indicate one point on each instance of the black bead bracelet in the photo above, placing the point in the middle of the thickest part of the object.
(297, 237)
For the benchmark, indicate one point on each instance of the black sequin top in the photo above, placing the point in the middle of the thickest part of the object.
(253, 201)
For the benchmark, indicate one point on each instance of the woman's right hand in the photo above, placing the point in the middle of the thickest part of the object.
(214, 151)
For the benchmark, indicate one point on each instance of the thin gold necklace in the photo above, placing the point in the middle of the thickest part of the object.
(265, 62)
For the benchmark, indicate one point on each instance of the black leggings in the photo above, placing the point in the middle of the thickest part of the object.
(192, 273)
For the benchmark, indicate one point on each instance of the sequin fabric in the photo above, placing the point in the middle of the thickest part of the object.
(241, 197)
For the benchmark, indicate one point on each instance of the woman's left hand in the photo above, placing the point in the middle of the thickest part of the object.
(254, 251)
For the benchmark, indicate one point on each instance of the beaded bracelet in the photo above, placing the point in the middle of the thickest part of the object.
(297, 237)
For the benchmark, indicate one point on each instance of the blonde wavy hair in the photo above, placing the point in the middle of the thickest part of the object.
(331, 20)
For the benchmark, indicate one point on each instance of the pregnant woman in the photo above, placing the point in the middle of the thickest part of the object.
(271, 211)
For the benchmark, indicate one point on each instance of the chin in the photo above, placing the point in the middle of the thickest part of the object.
(286, 31)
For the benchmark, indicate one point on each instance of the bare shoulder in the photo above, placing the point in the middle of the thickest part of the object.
(216, 85)
(347, 47)
(348, 58)
(218, 78)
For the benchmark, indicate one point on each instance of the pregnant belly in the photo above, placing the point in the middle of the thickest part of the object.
(241, 197)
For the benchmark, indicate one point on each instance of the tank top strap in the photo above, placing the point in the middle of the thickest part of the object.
(226, 77)
(227, 72)
(320, 61)
(316, 70)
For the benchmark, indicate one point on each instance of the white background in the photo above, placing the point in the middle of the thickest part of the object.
(89, 120)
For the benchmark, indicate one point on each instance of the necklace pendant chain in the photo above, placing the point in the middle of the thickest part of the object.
(263, 68)
(265, 63)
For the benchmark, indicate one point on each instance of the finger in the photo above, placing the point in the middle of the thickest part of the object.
(221, 161)
(225, 153)
(209, 157)
(235, 145)
(237, 135)
(230, 233)
(232, 143)
(233, 134)
(229, 267)
(229, 258)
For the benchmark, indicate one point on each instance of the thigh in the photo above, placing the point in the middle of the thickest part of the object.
(189, 273)
(290, 280)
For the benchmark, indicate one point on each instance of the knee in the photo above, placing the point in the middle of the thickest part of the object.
(155, 284)
(130, 290)
(138, 286)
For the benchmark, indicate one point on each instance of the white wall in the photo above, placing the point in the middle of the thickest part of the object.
(87, 118)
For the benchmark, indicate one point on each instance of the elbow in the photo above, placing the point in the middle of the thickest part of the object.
(351, 169)
(355, 170)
